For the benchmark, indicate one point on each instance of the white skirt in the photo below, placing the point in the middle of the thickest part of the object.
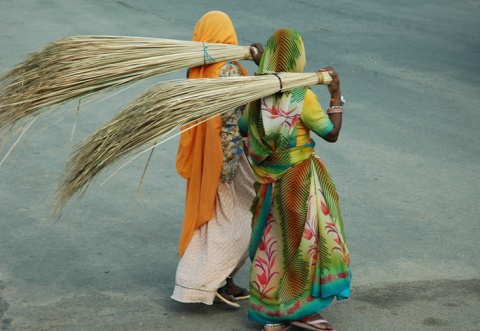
(220, 247)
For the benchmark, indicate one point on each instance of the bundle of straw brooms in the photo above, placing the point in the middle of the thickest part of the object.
(161, 110)
(81, 66)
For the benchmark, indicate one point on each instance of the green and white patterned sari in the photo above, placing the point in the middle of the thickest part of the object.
(300, 261)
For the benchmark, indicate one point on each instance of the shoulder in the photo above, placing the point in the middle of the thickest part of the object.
(311, 100)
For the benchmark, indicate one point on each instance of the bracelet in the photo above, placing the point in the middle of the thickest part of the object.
(335, 110)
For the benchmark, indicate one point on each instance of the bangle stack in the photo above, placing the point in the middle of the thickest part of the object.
(335, 110)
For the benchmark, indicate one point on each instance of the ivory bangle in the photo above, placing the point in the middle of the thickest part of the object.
(335, 110)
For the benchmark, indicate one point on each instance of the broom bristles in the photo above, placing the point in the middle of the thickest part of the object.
(161, 110)
(81, 66)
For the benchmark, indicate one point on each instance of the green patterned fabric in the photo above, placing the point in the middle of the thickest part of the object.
(284, 52)
(300, 261)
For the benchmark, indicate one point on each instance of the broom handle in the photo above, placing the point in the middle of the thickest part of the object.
(324, 78)
(247, 55)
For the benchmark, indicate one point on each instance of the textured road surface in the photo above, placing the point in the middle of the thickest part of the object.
(406, 167)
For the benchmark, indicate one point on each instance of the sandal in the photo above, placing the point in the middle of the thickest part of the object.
(313, 323)
(225, 298)
(242, 293)
(276, 327)
(234, 290)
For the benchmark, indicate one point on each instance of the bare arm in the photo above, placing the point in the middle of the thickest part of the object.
(334, 112)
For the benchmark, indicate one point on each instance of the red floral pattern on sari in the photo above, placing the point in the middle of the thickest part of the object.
(290, 116)
(310, 231)
(265, 265)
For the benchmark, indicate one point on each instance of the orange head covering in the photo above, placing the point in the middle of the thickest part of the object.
(215, 27)
(200, 155)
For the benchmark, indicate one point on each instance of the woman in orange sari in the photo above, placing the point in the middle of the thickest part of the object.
(217, 221)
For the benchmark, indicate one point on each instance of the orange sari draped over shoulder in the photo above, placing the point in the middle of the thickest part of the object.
(200, 155)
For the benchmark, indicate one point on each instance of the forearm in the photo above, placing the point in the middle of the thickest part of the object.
(335, 114)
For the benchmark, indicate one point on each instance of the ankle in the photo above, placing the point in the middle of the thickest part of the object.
(230, 282)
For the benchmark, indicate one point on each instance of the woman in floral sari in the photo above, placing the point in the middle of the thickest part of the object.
(300, 261)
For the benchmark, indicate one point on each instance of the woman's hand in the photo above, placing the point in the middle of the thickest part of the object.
(256, 50)
(334, 87)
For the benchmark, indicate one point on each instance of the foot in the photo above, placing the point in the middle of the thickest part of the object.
(221, 296)
(236, 291)
(314, 322)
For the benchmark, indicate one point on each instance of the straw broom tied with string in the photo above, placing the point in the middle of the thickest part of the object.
(158, 112)
(81, 66)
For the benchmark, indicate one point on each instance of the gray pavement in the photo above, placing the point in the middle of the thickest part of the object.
(406, 167)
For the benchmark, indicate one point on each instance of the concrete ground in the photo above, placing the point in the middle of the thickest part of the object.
(406, 167)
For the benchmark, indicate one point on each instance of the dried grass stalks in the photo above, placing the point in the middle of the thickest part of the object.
(158, 112)
(81, 66)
